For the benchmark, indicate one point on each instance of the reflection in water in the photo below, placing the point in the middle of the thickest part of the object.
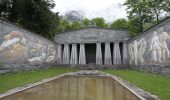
(76, 88)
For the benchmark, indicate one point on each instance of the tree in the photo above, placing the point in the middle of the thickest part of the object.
(34, 15)
(158, 7)
(99, 22)
(138, 14)
(75, 25)
(5, 7)
(86, 22)
(64, 25)
(119, 24)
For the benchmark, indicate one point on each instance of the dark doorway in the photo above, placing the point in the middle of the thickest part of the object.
(121, 50)
(90, 50)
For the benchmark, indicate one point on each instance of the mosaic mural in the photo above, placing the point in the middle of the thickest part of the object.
(13, 48)
(19, 46)
(152, 48)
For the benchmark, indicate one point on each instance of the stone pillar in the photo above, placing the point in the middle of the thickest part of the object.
(82, 55)
(116, 55)
(66, 54)
(74, 54)
(59, 54)
(125, 58)
(98, 54)
(108, 59)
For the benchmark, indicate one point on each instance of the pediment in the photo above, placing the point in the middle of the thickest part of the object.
(92, 35)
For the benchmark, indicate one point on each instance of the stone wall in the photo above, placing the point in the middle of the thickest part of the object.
(20, 48)
(151, 48)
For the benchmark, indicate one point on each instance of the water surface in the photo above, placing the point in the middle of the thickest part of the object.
(76, 88)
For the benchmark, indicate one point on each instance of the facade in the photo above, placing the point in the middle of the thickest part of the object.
(20, 48)
(92, 45)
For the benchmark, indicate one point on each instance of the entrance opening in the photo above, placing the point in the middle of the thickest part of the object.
(90, 50)
(121, 50)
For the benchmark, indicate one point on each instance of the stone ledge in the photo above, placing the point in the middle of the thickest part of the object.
(94, 66)
(154, 69)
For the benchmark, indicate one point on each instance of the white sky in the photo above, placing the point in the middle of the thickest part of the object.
(110, 10)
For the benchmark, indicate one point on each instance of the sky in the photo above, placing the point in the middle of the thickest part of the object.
(110, 10)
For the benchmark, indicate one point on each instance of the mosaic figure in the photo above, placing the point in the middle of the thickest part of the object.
(141, 50)
(51, 54)
(159, 46)
(131, 53)
(13, 47)
(39, 53)
(155, 48)
(136, 51)
(164, 49)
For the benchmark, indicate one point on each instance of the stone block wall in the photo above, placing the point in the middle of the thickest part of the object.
(152, 47)
(20, 48)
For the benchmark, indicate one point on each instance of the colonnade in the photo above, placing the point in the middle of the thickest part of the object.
(65, 55)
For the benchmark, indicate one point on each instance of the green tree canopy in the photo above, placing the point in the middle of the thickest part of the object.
(99, 22)
(75, 25)
(119, 24)
(138, 13)
(64, 25)
(144, 13)
(34, 15)
(86, 22)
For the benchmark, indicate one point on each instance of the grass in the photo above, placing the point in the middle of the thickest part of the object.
(13, 80)
(155, 84)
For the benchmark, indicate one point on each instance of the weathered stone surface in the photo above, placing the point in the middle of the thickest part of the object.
(92, 35)
(22, 48)
(154, 69)
(99, 59)
(151, 48)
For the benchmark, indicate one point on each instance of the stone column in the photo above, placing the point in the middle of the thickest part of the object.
(66, 54)
(108, 59)
(125, 58)
(116, 55)
(98, 54)
(59, 53)
(82, 55)
(74, 54)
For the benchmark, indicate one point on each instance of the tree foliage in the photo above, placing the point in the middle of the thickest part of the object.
(66, 25)
(142, 13)
(119, 24)
(86, 22)
(75, 25)
(138, 13)
(158, 7)
(34, 15)
(99, 22)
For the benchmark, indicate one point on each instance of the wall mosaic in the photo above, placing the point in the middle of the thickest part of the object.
(18, 46)
(151, 49)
